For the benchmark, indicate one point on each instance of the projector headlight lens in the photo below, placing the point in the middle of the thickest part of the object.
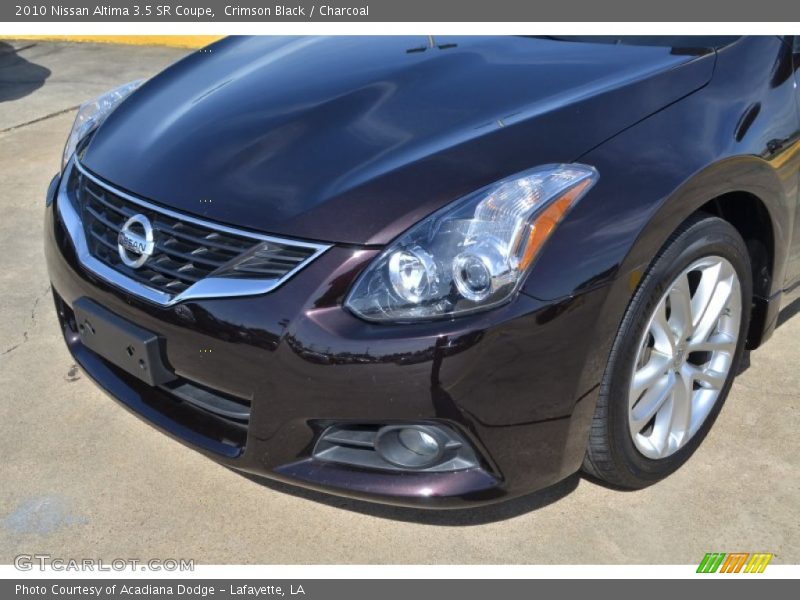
(412, 274)
(472, 255)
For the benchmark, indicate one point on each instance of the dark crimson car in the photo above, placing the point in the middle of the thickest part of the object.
(433, 271)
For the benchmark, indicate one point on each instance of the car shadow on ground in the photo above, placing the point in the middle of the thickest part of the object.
(19, 77)
(478, 515)
(788, 312)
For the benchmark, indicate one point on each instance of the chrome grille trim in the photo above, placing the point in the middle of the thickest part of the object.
(207, 287)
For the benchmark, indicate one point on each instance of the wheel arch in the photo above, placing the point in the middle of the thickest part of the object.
(746, 192)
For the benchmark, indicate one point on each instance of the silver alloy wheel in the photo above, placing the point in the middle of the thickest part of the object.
(684, 357)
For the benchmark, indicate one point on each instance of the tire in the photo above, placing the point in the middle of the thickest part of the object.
(619, 452)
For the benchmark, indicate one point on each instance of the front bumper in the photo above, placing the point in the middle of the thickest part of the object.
(518, 383)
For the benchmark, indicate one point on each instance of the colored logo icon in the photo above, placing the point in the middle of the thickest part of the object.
(736, 562)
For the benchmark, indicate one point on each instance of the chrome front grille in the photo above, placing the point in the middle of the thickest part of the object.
(191, 257)
(184, 253)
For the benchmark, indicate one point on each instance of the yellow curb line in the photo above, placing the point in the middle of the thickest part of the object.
(174, 41)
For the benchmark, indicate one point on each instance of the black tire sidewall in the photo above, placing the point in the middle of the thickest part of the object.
(709, 236)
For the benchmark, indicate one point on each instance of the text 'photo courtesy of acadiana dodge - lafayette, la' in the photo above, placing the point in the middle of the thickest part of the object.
(182, 10)
(147, 589)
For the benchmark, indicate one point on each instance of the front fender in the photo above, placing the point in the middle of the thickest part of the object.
(737, 134)
(749, 175)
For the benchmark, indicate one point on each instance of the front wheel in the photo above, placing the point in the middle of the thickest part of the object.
(675, 356)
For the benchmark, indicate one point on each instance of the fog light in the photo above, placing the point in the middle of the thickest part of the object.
(410, 447)
(434, 448)
(419, 442)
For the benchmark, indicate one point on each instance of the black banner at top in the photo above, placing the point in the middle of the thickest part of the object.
(24, 11)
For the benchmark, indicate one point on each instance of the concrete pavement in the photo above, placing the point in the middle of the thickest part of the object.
(81, 477)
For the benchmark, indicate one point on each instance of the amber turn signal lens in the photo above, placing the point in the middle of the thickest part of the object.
(546, 222)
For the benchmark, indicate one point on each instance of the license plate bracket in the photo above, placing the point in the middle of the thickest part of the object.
(130, 347)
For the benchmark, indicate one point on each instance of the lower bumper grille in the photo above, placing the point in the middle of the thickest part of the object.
(227, 407)
(218, 422)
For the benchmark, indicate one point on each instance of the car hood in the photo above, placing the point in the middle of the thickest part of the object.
(353, 140)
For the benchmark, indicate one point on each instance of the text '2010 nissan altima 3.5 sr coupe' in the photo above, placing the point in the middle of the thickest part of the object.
(433, 271)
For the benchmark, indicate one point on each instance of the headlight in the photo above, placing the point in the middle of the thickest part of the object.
(471, 255)
(92, 113)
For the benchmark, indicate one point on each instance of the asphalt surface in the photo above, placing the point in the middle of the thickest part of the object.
(81, 477)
